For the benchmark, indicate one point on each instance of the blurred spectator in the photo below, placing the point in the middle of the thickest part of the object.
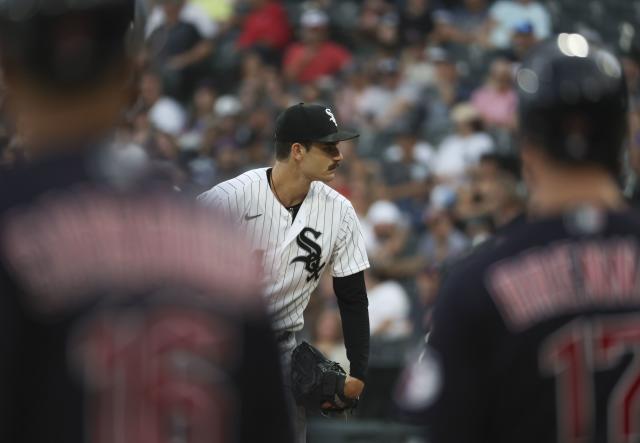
(181, 43)
(389, 240)
(372, 13)
(315, 56)
(633, 153)
(164, 113)
(416, 22)
(192, 12)
(356, 83)
(440, 97)
(465, 24)
(228, 121)
(261, 84)
(201, 115)
(499, 188)
(494, 198)
(385, 104)
(496, 100)
(388, 34)
(266, 26)
(408, 163)
(220, 11)
(384, 230)
(328, 337)
(462, 149)
(504, 15)
(631, 66)
(523, 39)
(442, 240)
(389, 307)
(428, 285)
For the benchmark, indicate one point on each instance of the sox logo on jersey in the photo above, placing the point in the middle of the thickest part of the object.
(325, 235)
(312, 260)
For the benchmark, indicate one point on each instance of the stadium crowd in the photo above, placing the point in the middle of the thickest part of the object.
(428, 84)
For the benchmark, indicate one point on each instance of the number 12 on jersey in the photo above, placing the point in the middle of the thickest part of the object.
(574, 355)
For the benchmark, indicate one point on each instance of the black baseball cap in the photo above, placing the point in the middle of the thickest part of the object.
(310, 123)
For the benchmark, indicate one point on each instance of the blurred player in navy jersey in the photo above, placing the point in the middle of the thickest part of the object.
(536, 336)
(124, 316)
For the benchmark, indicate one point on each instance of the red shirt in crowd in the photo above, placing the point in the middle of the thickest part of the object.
(328, 59)
(267, 25)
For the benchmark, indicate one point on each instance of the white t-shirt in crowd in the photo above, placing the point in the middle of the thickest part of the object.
(509, 13)
(190, 13)
(457, 153)
(423, 157)
(389, 302)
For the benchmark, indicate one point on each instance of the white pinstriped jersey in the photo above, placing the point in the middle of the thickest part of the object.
(325, 234)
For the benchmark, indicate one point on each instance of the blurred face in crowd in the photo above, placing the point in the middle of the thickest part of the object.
(632, 72)
(501, 74)
(407, 143)
(495, 189)
(428, 283)
(251, 65)
(489, 190)
(440, 224)
(522, 42)
(475, 5)
(384, 231)
(172, 10)
(226, 157)
(328, 327)
(204, 100)
(634, 141)
(446, 71)
(319, 162)
(166, 147)
(390, 79)
(464, 127)
(417, 7)
(150, 88)
(313, 35)
(388, 33)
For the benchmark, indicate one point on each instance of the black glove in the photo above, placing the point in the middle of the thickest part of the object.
(316, 380)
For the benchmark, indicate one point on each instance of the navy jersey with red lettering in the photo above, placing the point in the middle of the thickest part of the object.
(536, 337)
(124, 317)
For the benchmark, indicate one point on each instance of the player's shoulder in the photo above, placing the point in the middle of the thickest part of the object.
(325, 192)
(527, 237)
(237, 185)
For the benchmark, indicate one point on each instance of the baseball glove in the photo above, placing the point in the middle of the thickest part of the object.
(316, 380)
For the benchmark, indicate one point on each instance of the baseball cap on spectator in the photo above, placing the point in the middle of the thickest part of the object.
(227, 106)
(384, 212)
(464, 113)
(442, 199)
(388, 66)
(443, 16)
(389, 19)
(310, 123)
(168, 117)
(438, 55)
(523, 27)
(314, 18)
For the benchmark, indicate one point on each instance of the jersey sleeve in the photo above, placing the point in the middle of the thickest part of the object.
(223, 200)
(349, 256)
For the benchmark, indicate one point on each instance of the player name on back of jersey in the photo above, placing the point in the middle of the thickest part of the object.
(566, 278)
(65, 247)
